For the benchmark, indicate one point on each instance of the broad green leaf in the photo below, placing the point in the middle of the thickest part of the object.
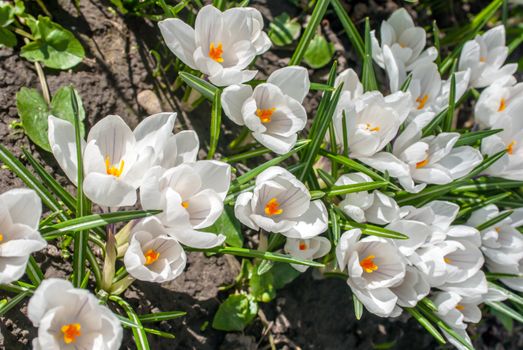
(262, 287)
(55, 46)
(283, 274)
(283, 30)
(235, 313)
(7, 38)
(319, 53)
(7, 14)
(229, 226)
(34, 112)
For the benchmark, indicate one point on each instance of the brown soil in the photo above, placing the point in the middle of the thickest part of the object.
(309, 313)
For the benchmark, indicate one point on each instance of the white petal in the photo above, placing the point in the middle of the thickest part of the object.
(243, 210)
(196, 239)
(380, 302)
(180, 39)
(214, 175)
(24, 206)
(293, 81)
(187, 147)
(312, 223)
(108, 191)
(233, 98)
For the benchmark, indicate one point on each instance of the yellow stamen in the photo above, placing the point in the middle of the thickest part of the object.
(460, 307)
(368, 264)
(303, 246)
(447, 260)
(215, 52)
(265, 114)
(1, 237)
(273, 207)
(422, 163)
(483, 59)
(502, 105)
(151, 256)
(185, 204)
(370, 128)
(498, 230)
(422, 101)
(71, 331)
(111, 169)
(510, 147)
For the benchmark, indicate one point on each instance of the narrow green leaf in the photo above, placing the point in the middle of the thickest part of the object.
(515, 298)
(34, 272)
(203, 87)
(447, 126)
(345, 189)
(371, 230)
(358, 307)
(13, 302)
(426, 324)
(161, 316)
(216, 123)
(349, 27)
(504, 309)
(471, 138)
(335, 229)
(92, 221)
(368, 77)
(139, 335)
(494, 220)
(317, 15)
(436, 121)
(320, 87)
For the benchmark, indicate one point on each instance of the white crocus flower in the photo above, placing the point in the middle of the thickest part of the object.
(281, 203)
(114, 158)
(428, 160)
(153, 255)
(502, 243)
(485, 56)
(425, 85)
(510, 166)
(512, 268)
(71, 318)
(307, 249)
(416, 231)
(373, 121)
(190, 197)
(170, 149)
(442, 101)
(221, 45)
(352, 89)
(405, 41)
(494, 101)
(273, 111)
(374, 266)
(412, 289)
(20, 211)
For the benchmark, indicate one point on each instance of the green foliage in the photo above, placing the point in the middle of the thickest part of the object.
(284, 30)
(235, 313)
(319, 53)
(229, 226)
(54, 46)
(262, 286)
(34, 112)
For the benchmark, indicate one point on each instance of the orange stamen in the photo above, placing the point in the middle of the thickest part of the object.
(370, 128)
(273, 207)
(502, 105)
(447, 260)
(151, 256)
(303, 246)
(483, 59)
(185, 204)
(368, 264)
(422, 163)
(1, 237)
(71, 331)
(111, 169)
(265, 114)
(510, 147)
(422, 101)
(215, 52)
(460, 307)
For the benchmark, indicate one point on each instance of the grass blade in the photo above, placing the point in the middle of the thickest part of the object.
(471, 138)
(371, 230)
(139, 335)
(494, 220)
(358, 307)
(365, 186)
(203, 87)
(317, 15)
(216, 123)
(422, 320)
(161, 316)
(506, 310)
(368, 76)
(349, 27)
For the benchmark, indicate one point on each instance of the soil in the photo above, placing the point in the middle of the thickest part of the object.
(117, 77)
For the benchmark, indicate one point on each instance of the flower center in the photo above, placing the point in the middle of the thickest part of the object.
(71, 331)
(483, 59)
(112, 169)
(302, 246)
(185, 204)
(368, 264)
(265, 114)
(151, 256)
(422, 101)
(460, 307)
(422, 163)
(447, 260)
(273, 207)
(216, 52)
(497, 229)
(502, 105)
(510, 147)
(370, 128)
(1, 237)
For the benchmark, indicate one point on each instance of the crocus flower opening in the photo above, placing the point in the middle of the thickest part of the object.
(368, 264)
(71, 331)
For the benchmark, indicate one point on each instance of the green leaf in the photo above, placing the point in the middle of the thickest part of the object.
(13, 302)
(494, 220)
(55, 46)
(506, 310)
(346, 189)
(317, 15)
(140, 338)
(235, 313)
(358, 307)
(319, 53)
(452, 103)
(216, 123)
(203, 87)
(161, 316)
(426, 324)
(487, 184)
(283, 30)
(471, 138)
(34, 112)
(262, 287)
(92, 221)
(349, 27)
(505, 320)
(283, 274)
(7, 14)
(229, 226)
(369, 78)
(371, 230)
(7, 38)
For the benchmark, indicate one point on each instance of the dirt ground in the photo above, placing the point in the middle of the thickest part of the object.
(117, 78)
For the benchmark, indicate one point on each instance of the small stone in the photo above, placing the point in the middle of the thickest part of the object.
(148, 100)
